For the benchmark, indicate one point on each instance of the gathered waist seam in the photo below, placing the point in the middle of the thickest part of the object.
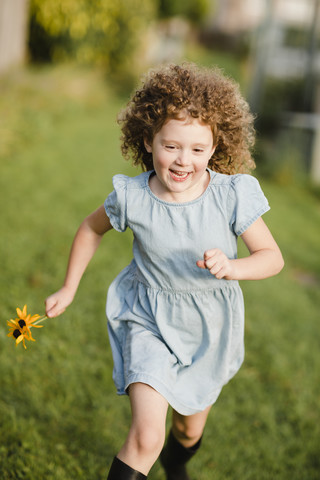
(222, 285)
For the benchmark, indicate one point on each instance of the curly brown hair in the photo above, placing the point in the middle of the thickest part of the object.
(181, 91)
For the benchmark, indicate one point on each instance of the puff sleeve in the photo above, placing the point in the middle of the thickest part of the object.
(246, 201)
(116, 203)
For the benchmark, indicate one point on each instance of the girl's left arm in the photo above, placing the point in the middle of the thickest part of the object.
(265, 259)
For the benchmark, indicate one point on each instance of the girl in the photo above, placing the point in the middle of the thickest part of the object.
(175, 314)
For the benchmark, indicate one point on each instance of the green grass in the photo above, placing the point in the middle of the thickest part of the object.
(60, 418)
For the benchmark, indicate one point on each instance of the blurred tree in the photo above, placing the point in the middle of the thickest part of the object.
(193, 10)
(103, 32)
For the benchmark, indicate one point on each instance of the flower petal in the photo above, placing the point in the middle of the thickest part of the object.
(13, 322)
(22, 314)
(28, 335)
(19, 339)
(33, 318)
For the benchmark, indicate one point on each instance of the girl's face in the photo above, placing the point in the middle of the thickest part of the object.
(181, 151)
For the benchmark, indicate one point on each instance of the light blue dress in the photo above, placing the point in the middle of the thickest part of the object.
(171, 324)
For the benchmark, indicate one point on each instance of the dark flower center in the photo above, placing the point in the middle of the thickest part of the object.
(22, 323)
(17, 333)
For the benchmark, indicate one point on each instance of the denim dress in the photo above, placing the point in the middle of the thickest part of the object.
(171, 324)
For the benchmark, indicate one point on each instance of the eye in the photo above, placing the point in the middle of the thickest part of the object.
(198, 150)
(170, 147)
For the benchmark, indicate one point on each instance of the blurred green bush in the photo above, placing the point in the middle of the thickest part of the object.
(101, 32)
(107, 33)
(193, 10)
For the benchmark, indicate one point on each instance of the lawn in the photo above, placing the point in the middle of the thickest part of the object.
(60, 418)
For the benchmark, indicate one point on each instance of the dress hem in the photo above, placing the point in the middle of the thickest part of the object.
(164, 391)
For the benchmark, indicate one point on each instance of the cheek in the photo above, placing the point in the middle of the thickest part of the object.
(201, 166)
(161, 161)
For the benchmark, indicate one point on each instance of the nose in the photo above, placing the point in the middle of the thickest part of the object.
(183, 158)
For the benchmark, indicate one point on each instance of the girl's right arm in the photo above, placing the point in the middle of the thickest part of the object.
(85, 243)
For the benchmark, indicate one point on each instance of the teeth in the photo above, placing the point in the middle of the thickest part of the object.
(180, 174)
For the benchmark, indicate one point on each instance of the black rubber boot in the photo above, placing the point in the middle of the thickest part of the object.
(121, 471)
(174, 457)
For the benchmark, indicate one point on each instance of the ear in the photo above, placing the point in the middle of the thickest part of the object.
(213, 150)
(148, 147)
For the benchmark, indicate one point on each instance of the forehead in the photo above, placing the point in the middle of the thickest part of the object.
(186, 126)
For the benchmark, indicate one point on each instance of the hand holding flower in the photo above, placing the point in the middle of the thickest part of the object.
(58, 302)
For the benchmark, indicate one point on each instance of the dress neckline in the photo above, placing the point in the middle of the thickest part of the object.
(177, 204)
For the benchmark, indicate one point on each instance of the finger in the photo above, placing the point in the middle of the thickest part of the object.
(212, 262)
(201, 264)
(220, 271)
(219, 274)
(210, 253)
(51, 307)
(51, 312)
(214, 270)
(55, 311)
(49, 303)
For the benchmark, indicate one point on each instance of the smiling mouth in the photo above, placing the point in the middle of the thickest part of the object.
(178, 175)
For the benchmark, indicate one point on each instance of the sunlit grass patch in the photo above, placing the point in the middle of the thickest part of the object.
(60, 418)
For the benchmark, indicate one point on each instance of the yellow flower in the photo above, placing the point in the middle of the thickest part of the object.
(20, 327)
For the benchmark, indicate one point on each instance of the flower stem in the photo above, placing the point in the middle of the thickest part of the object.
(41, 319)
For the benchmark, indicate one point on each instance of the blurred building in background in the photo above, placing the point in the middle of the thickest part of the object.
(13, 33)
(282, 41)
